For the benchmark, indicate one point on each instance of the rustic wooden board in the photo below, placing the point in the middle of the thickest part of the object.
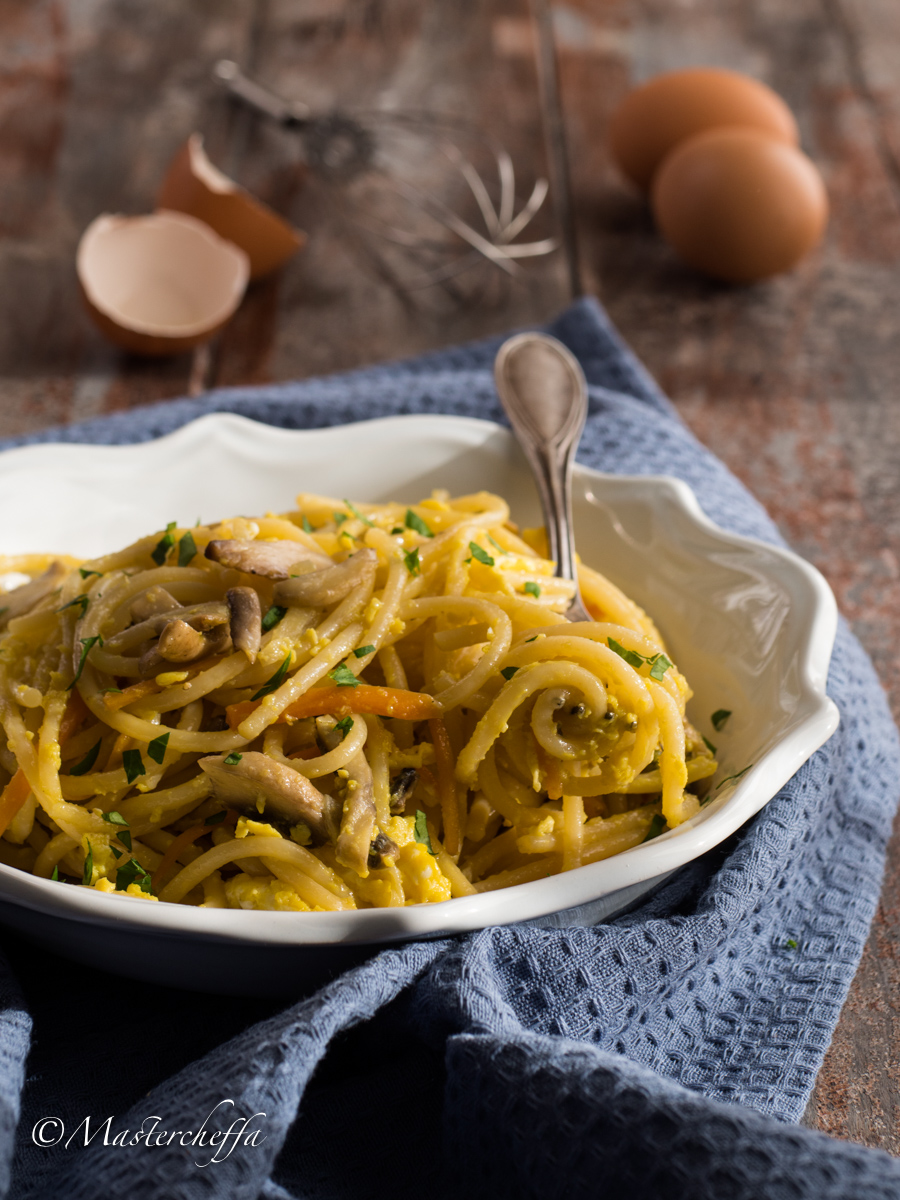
(794, 382)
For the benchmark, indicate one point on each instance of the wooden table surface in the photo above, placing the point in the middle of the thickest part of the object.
(793, 382)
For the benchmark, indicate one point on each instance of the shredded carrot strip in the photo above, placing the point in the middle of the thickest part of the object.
(446, 785)
(306, 752)
(14, 796)
(76, 711)
(364, 698)
(184, 840)
(137, 691)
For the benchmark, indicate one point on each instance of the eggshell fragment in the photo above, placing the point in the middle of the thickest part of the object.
(159, 284)
(739, 206)
(656, 117)
(193, 185)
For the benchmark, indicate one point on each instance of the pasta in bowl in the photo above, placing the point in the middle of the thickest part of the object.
(345, 706)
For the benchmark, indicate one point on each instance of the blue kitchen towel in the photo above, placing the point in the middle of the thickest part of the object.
(663, 1054)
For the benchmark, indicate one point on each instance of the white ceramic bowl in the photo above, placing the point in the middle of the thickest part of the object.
(751, 626)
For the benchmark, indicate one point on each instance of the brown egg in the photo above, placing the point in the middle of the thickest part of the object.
(739, 206)
(654, 118)
(194, 186)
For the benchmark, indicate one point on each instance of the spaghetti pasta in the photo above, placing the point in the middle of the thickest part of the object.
(344, 706)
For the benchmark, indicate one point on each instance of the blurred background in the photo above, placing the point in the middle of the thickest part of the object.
(793, 381)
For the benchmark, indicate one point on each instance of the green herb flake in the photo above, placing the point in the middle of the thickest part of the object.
(631, 656)
(532, 588)
(272, 616)
(497, 545)
(659, 664)
(157, 748)
(412, 561)
(160, 552)
(107, 691)
(534, 639)
(414, 522)
(233, 759)
(790, 944)
(397, 529)
(87, 762)
(81, 600)
(132, 872)
(420, 831)
(343, 676)
(218, 817)
(657, 825)
(345, 724)
(480, 555)
(84, 573)
(133, 764)
(729, 778)
(115, 818)
(275, 682)
(710, 747)
(305, 525)
(719, 717)
(508, 672)
(340, 518)
(88, 644)
(362, 651)
(187, 549)
(55, 875)
(359, 516)
(123, 834)
(117, 854)
(88, 873)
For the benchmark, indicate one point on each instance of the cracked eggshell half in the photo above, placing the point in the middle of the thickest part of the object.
(193, 185)
(159, 284)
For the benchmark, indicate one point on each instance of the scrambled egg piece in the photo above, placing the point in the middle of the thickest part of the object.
(133, 889)
(420, 755)
(423, 880)
(253, 891)
(247, 827)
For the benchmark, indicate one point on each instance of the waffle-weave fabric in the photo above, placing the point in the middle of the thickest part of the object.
(666, 1053)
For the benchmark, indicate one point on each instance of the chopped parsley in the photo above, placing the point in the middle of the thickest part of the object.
(397, 529)
(532, 588)
(218, 817)
(84, 573)
(343, 676)
(719, 717)
(232, 761)
(362, 651)
(359, 516)
(133, 872)
(412, 561)
(345, 724)
(133, 764)
(88, 873)
(790, 944)
(657, 825)
(81, 600)
(274, 683)
(497, 545)
(414, 522)
(710, 747)
(272, 616)
(87, 762)
(187, 549)
(160, 552)
(508, 672)
(88, 644)
(305, 525)
(157, 748)
(55, 875)
(420, 831)
(658, 663)
(124, 834)
(729, 778)
(340, 518)
(479, 555)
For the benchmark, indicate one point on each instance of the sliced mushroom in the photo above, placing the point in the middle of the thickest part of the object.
(322, 588)
(246, 620)
(199, 616)
(402, 787)
(358, 820)
(154, 600)
(283, 792)
(272, 559)
(22, 599)
(383, 852)
(180, 643)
